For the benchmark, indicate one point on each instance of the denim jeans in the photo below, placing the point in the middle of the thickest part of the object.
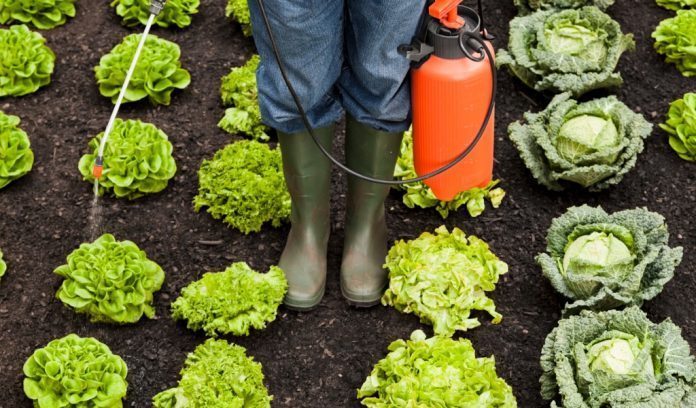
(340, 55)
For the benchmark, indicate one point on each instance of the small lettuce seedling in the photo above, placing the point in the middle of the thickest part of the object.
(238, 10)
(157, 74)
(26, 63)
(217, 374)
(138, 160)
(75, 372)
(681, 126)
(232, 301)
(175, 12)
(675, 38)
(16, 156)
(110, 281)
(239, 91)
(42, 14)
(528, 6)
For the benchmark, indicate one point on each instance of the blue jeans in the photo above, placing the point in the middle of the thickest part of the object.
(339, 54)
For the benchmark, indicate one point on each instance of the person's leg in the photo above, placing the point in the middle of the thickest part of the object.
(375, 92)
(311, 45)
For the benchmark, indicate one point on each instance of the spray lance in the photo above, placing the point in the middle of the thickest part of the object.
(452, 73)
(156, 7)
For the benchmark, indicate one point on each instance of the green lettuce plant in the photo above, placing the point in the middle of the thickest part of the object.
(528, 6)
(75, 372)
(155, 77)
(591, 144)
(675, 38)
(617, 359)
(175, 12)
(239, 11)
(239, 91)
(244, 185)
(217, 374)
(419, 194)
(232, 301)
(26, 62)
(16, 156)
(137, 160)
(435, 372)
(42, 14)
(676, 4)
(110, 281)
(3, 266)
(442, 278)
(574, 50)
(681, 126)
(602, 261)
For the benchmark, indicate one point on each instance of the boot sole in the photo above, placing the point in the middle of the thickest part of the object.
(363, 301)
(305, 305)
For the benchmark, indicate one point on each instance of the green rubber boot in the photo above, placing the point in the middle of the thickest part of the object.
(308, 176)
(374, 153)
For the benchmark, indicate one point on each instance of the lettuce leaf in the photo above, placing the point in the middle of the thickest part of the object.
(674, 38)
(239, 11)
(528, 6)
(42, 14)
(3, 266)
(239, 90)
(16, 156)
(681, 126)
(26, 62)
(175, 12)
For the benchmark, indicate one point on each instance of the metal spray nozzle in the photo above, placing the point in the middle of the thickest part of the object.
(156, 6)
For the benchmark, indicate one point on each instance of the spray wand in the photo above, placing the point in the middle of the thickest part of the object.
(156, 7)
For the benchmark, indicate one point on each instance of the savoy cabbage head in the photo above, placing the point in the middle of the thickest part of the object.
(574, 50)
(26, 62)
(16, 156)
(617, 359)
(681, 126)
(110, 281)
(435, 372)
(592, 144)
(603, 261)
(528, 6)
(675, 38)
(75, 372)
(240, 93)
(239, 11)
(217, 374)
(175, 12)
(232, 301)
(42, 14)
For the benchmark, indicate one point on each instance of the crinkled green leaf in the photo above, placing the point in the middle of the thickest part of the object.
(239, 90)
(110, 281)
(681, 126)
(26, 62)
(626, 259)
(574, 50)
(419, 194)
(617, 359)
(217, 374)
(675, 38)
(16, 156)
(528, 6)
(592, 144)
(156, 75)
(75, 372)
(232, 301)
(435, 372)
(676, 4)
(239, 11)
(3, 266)
(442, 278)
(175, 12)
(244, 185)
(42, 14)
(138, 160)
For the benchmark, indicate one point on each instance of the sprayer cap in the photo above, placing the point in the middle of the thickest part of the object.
(446, 12)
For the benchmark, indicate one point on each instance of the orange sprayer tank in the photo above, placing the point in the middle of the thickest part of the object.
(450, 96)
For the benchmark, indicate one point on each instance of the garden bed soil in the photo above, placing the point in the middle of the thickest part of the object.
(315, 359)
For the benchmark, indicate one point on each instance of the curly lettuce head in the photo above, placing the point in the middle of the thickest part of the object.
(602, 261)
(3, 266)
(419, 194)
(175, 12)
(675, 39)
(110, 281)
(528, 6)
(42, 14)
(232, 301)
(244, 185)
(617, 359)
(137, 160)
(239, 90)
(239, 11)
(26, 63)
(566, 51)
(16, 156)
(592, 144)
(442, 278)
(676, 4)
(75, 372)
(435, 372)
(681, 126)
(217, 374)
(156, 76)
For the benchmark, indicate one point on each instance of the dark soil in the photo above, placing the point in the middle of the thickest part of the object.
(315, 359)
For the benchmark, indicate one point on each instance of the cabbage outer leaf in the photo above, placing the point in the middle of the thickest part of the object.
(42, 14)
(674, 38)
(529, 6)
(26, 63)
(239, 11)
(239, 90)
(16, 156)
(681, 126)
(644, 234)
(217, 374)
(232, 301)
(442, 278)
(175, 12)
